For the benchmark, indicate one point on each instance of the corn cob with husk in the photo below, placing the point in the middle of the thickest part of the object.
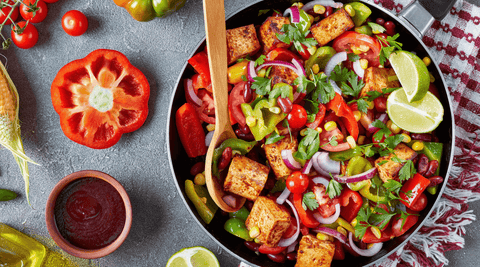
(10, 125)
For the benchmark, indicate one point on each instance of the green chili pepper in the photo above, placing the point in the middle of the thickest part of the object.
(265, 119)
(236, 144)
(6, 195)
(356, 165)
(362, 12)
(320, 57)
(202, 201)
(236, 226)
(343, 223)
(242, 213)
(333, 225)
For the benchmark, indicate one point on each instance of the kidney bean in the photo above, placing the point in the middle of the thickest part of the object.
(251, 245)
(422, 137)
(285, 104)
(280, 258)
(292, 256)
(422, 164)
(244, 136)
(197, 168)
(244, 129)
(328, 11)
(435, 180)
(225, 158)
(432, 168)
(380, 21)
(247, 93)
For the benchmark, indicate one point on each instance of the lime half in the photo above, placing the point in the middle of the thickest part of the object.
(193, 257)
(412, 74)
(416, 117)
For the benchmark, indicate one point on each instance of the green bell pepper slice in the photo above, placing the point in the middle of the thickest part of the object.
(236, 226)
(346, 154)
(433, 151)
(320, 57)
(359, 164)
(146, 10)
(362, 12)
(265, 119)
(202, 201)
(242, 213)
(239, 145)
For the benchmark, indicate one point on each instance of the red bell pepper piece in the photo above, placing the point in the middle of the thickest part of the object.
(199, 81)
(306, 216)
(412, 189)
(369, 237)
(189, 128)
(199, 62)
(318, 118)
(397, 222)
(342, 110)
(351, 203)
(282, 54)
(99, 98)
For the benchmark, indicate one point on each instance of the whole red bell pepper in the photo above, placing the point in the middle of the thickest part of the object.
(342, 110)
(412, 189)
(99, 98)
(306, 216)
(199, 63)
(189, 128)
(351, 203)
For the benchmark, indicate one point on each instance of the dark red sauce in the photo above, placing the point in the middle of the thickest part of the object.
(90, 213)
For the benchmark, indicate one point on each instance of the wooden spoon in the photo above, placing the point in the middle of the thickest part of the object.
(214, 15)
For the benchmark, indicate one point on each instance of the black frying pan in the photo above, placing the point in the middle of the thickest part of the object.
(410, 36)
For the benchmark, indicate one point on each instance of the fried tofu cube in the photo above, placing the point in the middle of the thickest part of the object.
(377, 78)
(283, 75)
(270, 218)
(314, 252)
(331, 27)
(389, 169)
(268, 31)
(274, 155)
(246, 177)
(242, 42)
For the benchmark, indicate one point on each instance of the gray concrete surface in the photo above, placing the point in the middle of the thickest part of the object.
(161, 223)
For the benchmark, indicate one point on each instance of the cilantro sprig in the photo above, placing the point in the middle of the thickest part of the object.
(334, 188)
(293, 34)
(308, 145)
(388, 47)
(309, 201)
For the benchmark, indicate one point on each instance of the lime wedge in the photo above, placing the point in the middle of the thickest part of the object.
(193, 257)
(417, 117)
(412, 74)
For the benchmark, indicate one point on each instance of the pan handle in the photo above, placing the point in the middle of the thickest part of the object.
(421, 14)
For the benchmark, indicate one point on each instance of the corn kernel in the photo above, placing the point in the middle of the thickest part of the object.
(199, 179)
(329, 126)
(370, 104)
(261, 73)
(310, 77)
(393, 127)
(360, 49)
(370, 245)
(211, 127)
(351, 141)
(376, 232)
(275, 110)
(319, 130)
(299, 4)
(235, 72)
(257, 241)
(417, 146)
(361, 139)
(254, 232)
(427, 61)
(406, 138)
(324, 237)
(312, 50)
(319, 9)
(357, 114)
(342, 230)
(315, 68)
(350, 10)
(363, 63)
(354, 222)
(251, 121)
(432, 79)
(303, 132)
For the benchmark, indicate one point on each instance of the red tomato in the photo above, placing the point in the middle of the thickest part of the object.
(74, 23)
(297, 182)
(264, 249)
(380, 104)
(397, 228)
(4, 14)
(28, 14)
(235, 99)
(28, 38)
(348, 39)
(292, 229)
(50, 1)
(282, 54)
(375, 141)
(297, 117)
(420, 204)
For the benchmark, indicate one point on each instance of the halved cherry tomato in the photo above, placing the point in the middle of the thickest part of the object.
(28, 38)
(350, 38)
(4, 14)
(27, 12)
(74, 23)
(264, 249)
(397, 228)
(282, 54)
(297, 118)
(297, 182)
(369, 237)
(318, 118)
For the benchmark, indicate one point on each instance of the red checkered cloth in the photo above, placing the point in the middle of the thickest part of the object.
(454, 43)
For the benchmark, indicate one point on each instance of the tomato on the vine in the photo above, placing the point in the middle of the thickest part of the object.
(28, 38)
(33, 14)
(50, 1)
(4, 14)
(297, 118)
(297, 182)
(74, 23)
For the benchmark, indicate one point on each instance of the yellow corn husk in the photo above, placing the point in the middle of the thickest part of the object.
(10, 136)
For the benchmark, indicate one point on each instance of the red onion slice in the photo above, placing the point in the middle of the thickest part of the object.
(358, 69)
(310, 5)
(280, 64)
(331, 232)
(208, 138)
(230, 200)
(288, 159)
(316, 165)
(299, 66)
(191, 92)
(321, 180)
(283, 196)
(294, 13)
(327, 164)
(330, 219)
(356, 178)
(364, 252)
(291, 248)
(308, 166)
(334, 61)
(289, 241)
(251, 73)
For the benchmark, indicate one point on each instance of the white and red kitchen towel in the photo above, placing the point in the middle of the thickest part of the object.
(454, 44)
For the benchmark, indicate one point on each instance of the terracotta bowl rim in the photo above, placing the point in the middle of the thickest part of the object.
(61, 241)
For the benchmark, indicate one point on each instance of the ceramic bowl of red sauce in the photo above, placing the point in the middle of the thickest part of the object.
(88, 214)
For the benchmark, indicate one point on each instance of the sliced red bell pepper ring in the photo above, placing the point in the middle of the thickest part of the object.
(190, 130)
(351, 203)
(306, 216)
(342, 110)
(99, 98)
(412, 189)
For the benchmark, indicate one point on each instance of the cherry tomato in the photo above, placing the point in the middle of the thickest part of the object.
(4, 14)
(235, 100)
(74, 23)
(297, 182)
(297, 117)
(50, 1)
(380, 104)
(28, 14)
(28, 38)
(264, 249)
(350, 38)
(420, 204)
(397, 228)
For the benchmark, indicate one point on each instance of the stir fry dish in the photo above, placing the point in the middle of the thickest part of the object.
(336, 149)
